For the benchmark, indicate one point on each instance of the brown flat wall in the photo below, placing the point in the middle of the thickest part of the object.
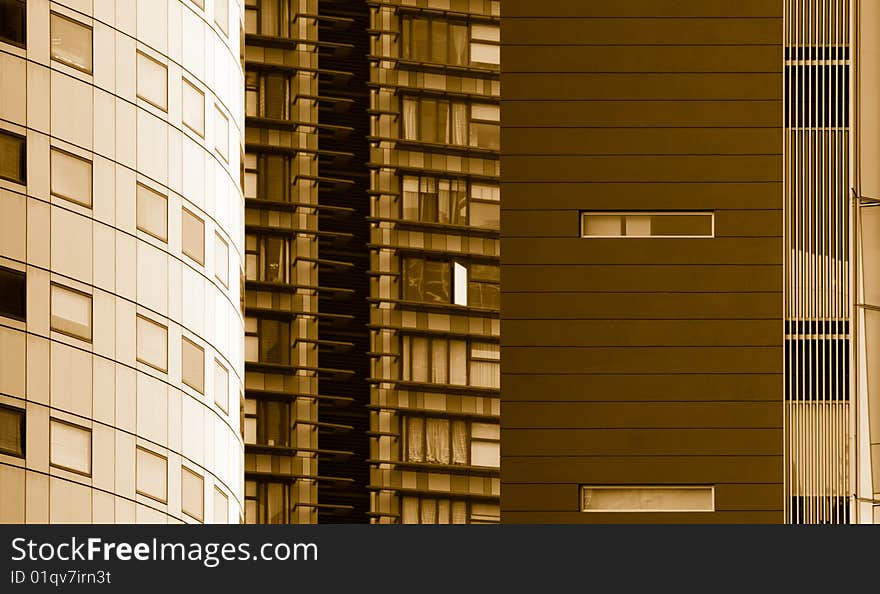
(641, 361)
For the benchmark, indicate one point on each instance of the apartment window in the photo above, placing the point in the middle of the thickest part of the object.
(221, 507)
(266, 95)
(267, 258)
(12, 431)
(451, 441)
(221, 15)
(192, 359)
(152, 343)
(192, 494)
(439, 281)
(453, 43)
(267, 502)
(647, 498)
(221, 133)
(193, 108)
(450, 361)
(221, 386)
(152, 475)
(432, 510)
(267, 341)
(192, 236)
(70, 447)
(13, 22)
(266, 17)
(221, 260)
(71, 177)
(13, 294)
(266, 177)
(451, 122)
(152, 81)
(152, 212)
(13, 157)
(451, 202)
(71, 42)
(267, 422)
(71, 312)
(647, 224)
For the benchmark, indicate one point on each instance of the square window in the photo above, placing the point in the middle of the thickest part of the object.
(71, 312)
(152, 475)
(192, 494)
(71, 42)
(71, 177)
(13, 294)
(13, 19)
(12, 431)
(70, 447)
(192, 358)
(152, 81)
(152, 343)
(193, 112)
(192, 236)
(13, 157)
(221, 260)
(152, 212)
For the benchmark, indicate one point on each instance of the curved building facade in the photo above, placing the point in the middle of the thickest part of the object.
(121, 245)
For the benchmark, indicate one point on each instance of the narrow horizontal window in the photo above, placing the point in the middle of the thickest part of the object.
(647, 499)
(70, 447)
(13, 294)
(13, 157)
(71, 177)
(71, 312)
(71, 43)
(647, 224)
(12, 431)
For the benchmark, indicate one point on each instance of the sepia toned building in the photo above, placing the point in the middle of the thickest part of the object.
(120, 257)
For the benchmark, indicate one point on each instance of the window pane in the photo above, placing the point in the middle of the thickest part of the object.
(13, 294)
(71, 42)
(192, 358)
(458, 43)
(486, 431)
(484, 53)
(603, 225)
(193, 112)
(419, 358)
(276, 422)
(275, 97)
(439, 41)
(459, 442)
(11, 431)
(192, 236)
(152, 81)
(70, 447)
(274, 183)
(486, 350)
(221, 386)
(459, 124)
(192, 494)
(460, 284)
(221, 133)
(485, 453)
(641, 499)
(410, 198)
(71, 177)
(485, 513)
(221, 507)
(275, 266)
(221, 260)
(152, 343)
(458, 362)
(429, 511)
(485, 112)
(419, 43)
(459, 512)
(487, 136)
(648, 224)
(485, 215)
(415, 439)
(439, 361)
(437, 281)
(437, 441)
(152, 212)
(71, 312)
(413, 279)
(274, 342)
(485, 374)
(428, 120)
(486, 32)
(152, 475)
(12, 157)
(409, 512)
(275, 504)
(410, 119)
(221, 14)
(12, 21)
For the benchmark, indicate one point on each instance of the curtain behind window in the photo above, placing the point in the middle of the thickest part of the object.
(459, 442)
(415, 436)
(409, 513)
(459, 124)
(410, 119)
(429, 511)
(439, 360)
(437, 441)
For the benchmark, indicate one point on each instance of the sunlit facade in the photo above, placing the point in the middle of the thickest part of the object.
(121, 250)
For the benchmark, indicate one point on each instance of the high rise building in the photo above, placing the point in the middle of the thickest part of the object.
(372, 278)
(120, 253)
